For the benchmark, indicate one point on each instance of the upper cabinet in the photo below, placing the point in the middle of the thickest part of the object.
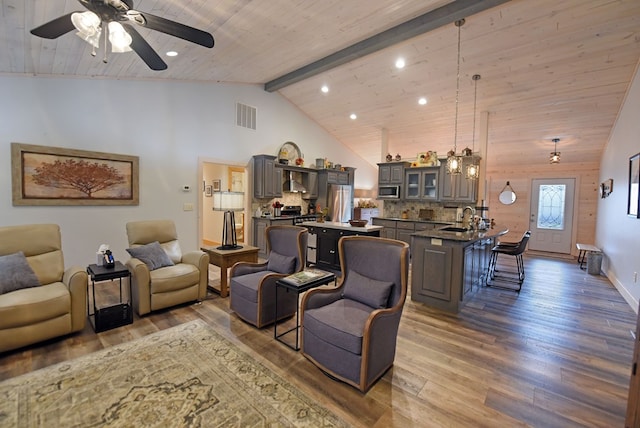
(458, 188)
(267, 178)
(391, 172)
(421, 183)
(310, 181)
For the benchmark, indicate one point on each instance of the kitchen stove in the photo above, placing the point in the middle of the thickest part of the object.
(295, 212)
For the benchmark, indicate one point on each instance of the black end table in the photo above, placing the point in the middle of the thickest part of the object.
(113, 316)
(299, 287)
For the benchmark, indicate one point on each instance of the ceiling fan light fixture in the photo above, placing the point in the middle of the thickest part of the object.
(555, 154)
(119, 38)
(88, 26)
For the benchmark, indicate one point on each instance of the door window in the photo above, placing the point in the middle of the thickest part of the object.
(551, 206)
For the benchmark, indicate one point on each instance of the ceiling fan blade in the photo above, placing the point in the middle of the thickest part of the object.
(144, 50)
(174, 28)
(56, 28)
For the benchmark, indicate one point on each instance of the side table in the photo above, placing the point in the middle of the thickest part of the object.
(117, 315)
(227, 258)
(299, 283)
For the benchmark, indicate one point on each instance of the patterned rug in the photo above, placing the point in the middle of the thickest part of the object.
(186, 376)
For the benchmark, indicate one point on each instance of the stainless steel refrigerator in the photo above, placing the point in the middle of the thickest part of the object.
(340, 202)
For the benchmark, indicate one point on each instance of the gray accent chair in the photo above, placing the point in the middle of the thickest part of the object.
(185, 281)
(350, 332)
(253, 285)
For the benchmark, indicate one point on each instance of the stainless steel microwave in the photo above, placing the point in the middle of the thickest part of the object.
(388, 192)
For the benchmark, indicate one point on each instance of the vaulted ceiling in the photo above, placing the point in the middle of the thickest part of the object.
(550, 68)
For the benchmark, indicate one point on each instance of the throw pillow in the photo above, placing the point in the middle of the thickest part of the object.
(367, 290)
(15, 273)
(281, 263)
(151, 254)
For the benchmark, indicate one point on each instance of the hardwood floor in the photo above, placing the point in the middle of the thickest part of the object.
(556, 355)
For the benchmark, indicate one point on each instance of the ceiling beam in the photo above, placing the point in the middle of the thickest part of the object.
(422, 24)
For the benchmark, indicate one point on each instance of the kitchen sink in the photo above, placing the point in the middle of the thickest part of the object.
(453, 229)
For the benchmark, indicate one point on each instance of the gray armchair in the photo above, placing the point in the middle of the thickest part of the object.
(350, 332)
(253, 285)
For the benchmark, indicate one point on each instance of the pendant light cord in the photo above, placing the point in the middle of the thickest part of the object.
(459, 24)
(475, 78)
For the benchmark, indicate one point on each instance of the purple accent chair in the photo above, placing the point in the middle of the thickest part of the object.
(252, 286)
(350, 332)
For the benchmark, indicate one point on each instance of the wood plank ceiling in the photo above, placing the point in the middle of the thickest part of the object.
(550, 68)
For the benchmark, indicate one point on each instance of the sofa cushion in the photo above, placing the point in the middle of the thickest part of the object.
(340, 323)
(367, 290)
(174, 277)
(34, 305)
(246, 286)
(281, 263)
(151, 254)
(15, 273)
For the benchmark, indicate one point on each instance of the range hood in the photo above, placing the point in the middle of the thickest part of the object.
(291, 185)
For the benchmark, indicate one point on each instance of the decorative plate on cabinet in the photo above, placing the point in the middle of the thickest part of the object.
(289, 152)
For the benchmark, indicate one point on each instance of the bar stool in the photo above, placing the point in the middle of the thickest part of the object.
(511, 249)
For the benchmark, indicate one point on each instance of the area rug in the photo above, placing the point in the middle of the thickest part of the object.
(185, 376)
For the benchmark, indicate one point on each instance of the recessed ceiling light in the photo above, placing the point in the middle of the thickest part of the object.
(172, 53)
(353, 116)
(422, 101)
(400, 63)
(324, 89)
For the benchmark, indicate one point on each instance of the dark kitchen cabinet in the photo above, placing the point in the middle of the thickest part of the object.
(391, 172)
(421, 184)
(310, 182)
(458, 188)
(267, 178)
(327, 238)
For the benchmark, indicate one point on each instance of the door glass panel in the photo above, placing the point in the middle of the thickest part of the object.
(551, 206)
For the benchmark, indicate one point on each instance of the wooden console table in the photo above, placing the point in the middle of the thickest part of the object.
(227, 258)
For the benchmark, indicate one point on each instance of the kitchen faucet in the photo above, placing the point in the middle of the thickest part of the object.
(468, 223)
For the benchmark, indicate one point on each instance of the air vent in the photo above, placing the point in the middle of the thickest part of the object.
(245, 116)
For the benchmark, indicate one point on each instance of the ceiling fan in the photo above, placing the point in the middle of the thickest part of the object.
(117, 16)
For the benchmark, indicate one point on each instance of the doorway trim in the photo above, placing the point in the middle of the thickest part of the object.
(247, 198)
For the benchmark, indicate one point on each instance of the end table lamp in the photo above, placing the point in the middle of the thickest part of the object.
(229, 239)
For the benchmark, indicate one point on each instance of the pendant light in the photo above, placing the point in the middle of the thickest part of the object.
(454, 162)
(473, 170)
(555, 154)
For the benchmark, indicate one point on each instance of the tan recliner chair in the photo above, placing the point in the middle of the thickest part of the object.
(185, 281)
(55, 308)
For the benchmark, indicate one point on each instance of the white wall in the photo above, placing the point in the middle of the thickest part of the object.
(169, 125)
(617, 234)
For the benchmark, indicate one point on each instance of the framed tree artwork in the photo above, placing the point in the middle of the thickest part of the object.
(43, 175)
(634, 186)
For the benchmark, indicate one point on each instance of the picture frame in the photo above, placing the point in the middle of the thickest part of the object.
(633, 199)
(217, 185)
(44, 175)
(208, 190)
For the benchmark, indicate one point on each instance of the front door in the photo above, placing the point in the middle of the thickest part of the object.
(551, 216)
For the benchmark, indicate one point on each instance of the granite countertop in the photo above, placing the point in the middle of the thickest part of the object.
(414, 220)
(336, 225)
(468, 236)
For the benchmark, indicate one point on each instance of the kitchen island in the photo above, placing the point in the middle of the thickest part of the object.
(323, 240)
(447, 267)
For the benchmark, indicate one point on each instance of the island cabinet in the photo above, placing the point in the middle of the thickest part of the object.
(267, 178)
(422, 184)
(391, 172)
(458, 188)
(402, 229)
(327, 236)
(447, 268)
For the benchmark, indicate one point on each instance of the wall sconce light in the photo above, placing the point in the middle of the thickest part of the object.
(555, 154)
